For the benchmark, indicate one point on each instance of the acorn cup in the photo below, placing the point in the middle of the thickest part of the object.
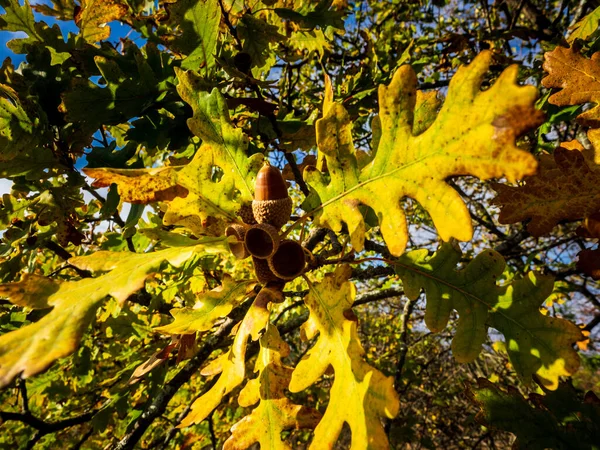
(262, 240)
(263, 273)
(271, 204)
(288, 261)
(238, 248)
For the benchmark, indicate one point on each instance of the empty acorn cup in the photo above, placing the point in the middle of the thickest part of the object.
(271, 203)
(237, 248)
(262, 240)
(288, 261)
(263, 272)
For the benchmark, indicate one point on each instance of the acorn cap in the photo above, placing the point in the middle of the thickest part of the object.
(262, 240)
(238, 248)
(274, 212)
(263, 272)
(246, 214)
(288, 261)
(269, 184)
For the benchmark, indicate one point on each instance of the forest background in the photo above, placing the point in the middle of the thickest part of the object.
(443, 159)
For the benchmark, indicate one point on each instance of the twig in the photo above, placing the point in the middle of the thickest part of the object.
(296, 171)
(211, 430)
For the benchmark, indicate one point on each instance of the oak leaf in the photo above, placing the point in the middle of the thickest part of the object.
(275, 413)
(536, 344)
(473, 134)
(567, 188)
(578, 79)
(197, 31)
(360, 395)
(586, 26)
(210, 306)
(224, 147)
(231, 365)
(33, 348)
(140, 185)
(95, 14)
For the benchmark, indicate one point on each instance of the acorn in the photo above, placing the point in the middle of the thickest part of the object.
(262, 240)
(263, 272)
(238, 248)
(271, 204)
(288, 261)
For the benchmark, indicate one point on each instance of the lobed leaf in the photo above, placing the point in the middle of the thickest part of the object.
(586, 26)
(140, 185)
(95, 14)
(33, 348)
(223, 147)
(537, 344)
(578, 81)
(360, 395)
(197, 22)
(210, 306)
(275, 413)
(232, 365)
(473, 134)
(567, 188)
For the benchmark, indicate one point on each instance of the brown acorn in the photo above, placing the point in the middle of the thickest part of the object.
(263, 272)
(262, 240)
(271, 203)
(238, 248)
(288, 261)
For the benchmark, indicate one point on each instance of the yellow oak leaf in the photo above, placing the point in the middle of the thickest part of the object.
(360, 395)
(473, 134)
(33, 348)
(140, 185)
(578, 79)
(94, 15)
(275, 413)
(210, 306)
(231, 365)
(536, 344)
(567, 188)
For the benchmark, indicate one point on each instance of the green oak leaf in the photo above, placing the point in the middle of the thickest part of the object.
(537, 344)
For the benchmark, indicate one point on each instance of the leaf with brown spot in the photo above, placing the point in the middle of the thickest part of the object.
(567, 190)
(578, 81)
(140, 185)
(473, 133)
(94, 16)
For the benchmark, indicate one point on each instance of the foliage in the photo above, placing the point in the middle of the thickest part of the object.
(131, 136)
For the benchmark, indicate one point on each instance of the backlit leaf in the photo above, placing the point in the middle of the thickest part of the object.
(94, 15)
(275, 413)
(209, 307)
(140, 185)
(578, 81)
(197, 22)
(360, 395)
(473, 134)
(223, 147)
(586, 26)
(567, 188)
(536, 344)
(231, 365)
(33, 348)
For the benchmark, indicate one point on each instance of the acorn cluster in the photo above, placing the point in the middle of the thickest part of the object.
(275, 259)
